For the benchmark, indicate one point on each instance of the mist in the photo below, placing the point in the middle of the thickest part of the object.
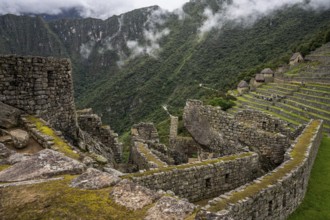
(246, 12)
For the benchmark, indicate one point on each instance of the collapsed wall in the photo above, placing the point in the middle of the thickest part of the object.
(92, 124)
(202, 180)
(40, 86)
(277, 194)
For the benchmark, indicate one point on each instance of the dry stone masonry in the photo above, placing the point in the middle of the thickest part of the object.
(277, 194)
(41, 86)
(225, 134)
(92, 124)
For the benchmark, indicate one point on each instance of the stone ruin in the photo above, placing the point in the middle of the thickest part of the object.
(243, 151)
(43, 87)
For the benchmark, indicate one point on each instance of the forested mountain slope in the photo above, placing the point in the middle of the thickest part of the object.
(128, 66)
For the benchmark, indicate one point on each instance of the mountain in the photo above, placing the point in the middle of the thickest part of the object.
(126, 67)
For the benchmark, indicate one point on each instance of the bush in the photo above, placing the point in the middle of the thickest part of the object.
(223, 103)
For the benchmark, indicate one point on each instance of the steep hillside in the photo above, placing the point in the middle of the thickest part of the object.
(128, 66)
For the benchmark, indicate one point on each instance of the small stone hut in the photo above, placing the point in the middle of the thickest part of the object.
(242, 87)
(260, 78)
(268, 74)
(296, 58)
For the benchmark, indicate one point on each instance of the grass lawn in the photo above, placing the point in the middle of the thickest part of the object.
(316, 204)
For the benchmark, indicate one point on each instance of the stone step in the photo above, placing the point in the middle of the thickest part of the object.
(280, 88)
(279, 111)
(311, 102)
(320, 80)
(312, 97)
(319, 87)
(302, 113)
(307, 106)
(314, 92)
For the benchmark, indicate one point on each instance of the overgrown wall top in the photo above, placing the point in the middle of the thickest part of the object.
(277, 194)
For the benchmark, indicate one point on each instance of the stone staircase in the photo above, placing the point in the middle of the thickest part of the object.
(300, 97)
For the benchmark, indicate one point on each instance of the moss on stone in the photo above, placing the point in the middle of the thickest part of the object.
(184, 166)
(3, 167)
(56, 200)
(61, 145)
(298, 155)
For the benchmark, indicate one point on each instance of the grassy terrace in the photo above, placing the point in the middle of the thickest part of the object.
(270, 107)
(58, 141)
(317, 200)
(56, 200)
(184, 166)
(150, 156)
(298, 154)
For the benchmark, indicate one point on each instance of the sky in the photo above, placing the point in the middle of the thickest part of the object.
(90, 8)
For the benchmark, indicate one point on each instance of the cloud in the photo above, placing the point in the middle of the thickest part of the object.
(152, 34)
(246, 12)
(87, 8)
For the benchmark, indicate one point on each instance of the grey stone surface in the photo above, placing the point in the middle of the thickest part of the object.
(94, 179)
(20, 138)
(169, 208)
(46, 163)
(105, 140)
(133, 196)
(8, 116)
(5, 154)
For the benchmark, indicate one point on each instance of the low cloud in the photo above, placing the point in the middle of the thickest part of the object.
(87, 8)
(246, 12)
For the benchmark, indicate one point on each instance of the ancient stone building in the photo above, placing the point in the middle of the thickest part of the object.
(41, 86)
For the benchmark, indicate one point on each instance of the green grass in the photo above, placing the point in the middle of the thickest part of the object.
(317, 200)
(3, 167)
(56, 200)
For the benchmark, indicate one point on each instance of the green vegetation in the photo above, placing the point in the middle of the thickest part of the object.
(184, 166)
(56, 200)
(62, 146)
(317, 200)
(298, 154)
(223, 103)
(3, 167)
(125, 139)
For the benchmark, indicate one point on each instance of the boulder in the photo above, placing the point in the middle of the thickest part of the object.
(133, 196)
(170, 208)
(8, 116)
(20, 138)
(94, 179)
(46, 163)
(4, 154)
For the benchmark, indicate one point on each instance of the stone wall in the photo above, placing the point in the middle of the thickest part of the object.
(205, 179)
(174, 127)
(277, 194)
(145, 131)
(40, 86)
(263, 121)
(143, 157)
(92, 124)
(224, 134)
